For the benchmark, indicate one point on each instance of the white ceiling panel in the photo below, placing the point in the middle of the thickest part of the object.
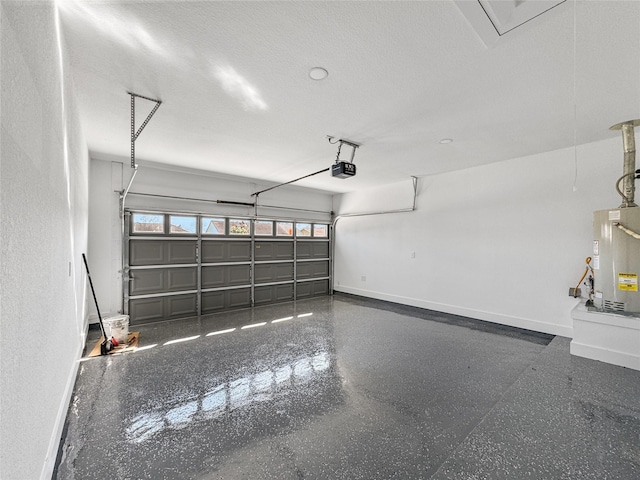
(238, 99)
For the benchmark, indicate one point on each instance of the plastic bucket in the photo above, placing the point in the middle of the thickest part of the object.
(117, 327)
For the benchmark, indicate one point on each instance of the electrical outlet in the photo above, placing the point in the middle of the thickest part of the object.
(413, 254)
(363, 278)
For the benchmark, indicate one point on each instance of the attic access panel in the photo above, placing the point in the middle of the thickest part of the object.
(491, 19)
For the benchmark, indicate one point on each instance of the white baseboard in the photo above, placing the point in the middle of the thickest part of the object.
(606, 337)
(518, 322)
(54, 441)
(613, 357)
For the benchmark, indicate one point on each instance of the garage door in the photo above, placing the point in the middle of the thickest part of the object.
(187, 265)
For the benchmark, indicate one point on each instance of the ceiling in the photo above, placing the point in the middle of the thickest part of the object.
(237, 98)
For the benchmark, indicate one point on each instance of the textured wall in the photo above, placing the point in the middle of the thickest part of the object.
(502, 242)
(44, 208)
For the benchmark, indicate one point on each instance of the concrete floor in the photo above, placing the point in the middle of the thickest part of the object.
(350, 388)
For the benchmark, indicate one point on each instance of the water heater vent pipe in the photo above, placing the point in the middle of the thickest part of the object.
(629, 169)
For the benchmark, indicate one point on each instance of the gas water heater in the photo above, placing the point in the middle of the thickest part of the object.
(616, 244)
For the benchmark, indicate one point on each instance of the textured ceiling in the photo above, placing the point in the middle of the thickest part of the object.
(237, 98)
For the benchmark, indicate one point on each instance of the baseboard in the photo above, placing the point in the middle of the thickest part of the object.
(606, 337)
(614, 357)
(54, 442)
(498, 318)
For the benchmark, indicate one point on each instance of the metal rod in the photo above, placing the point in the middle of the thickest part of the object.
(142, 96)
(134, 134)
(628, 172)
(291, 181)
(626, 230)
(628, 184)
(228, 202)
(133, 130)
(126, 191)
(144, 124)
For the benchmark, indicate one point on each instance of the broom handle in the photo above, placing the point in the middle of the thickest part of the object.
(104, 333)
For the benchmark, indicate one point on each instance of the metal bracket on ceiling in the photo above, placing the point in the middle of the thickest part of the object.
(341, 142)
(135, 134)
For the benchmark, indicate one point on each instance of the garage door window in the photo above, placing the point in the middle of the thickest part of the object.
(303, 229)
(213, 226)
(148, 223)
(182, 225)
(264, 228)
(239, 227)
(284, 229)
(320, 231)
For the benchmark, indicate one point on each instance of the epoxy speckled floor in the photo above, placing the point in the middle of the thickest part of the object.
(349, 388)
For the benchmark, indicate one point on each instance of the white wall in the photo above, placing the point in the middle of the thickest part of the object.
(502, 242)
(44, 208)
(104, 251)
(109, 176)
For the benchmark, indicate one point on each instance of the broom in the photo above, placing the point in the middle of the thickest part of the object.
(107, 345)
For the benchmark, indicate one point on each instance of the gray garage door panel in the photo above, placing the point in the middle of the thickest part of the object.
(226, 300)
(225, 275)
(274, 250)
(307, 250)
(213, 251)
(175, 276)
(212, 277)
(273, 272)
(216, 251)
(273, 294)
(312, 269)
(240, 298)
(162, 280)
(161, 252)
(181, 252)
(146, 252)
(239, 251)
(147, 281)
(182, 279)
(212, 301)
(182, 305)
(312, 289)
(143, 310)
(238, 275)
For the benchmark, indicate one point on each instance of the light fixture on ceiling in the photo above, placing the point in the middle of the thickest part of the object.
(318, 73)
(446, 141)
